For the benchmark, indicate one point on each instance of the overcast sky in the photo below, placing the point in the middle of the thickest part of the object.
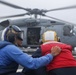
(67, 15)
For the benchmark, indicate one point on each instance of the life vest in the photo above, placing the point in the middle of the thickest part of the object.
(64, 59)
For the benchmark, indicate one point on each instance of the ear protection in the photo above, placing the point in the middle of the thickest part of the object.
(11, 37)
(10, 34)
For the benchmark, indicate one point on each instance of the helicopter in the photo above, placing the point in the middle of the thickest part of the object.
(34, 27)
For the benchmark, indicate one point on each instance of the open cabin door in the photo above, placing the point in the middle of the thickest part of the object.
(33, 36)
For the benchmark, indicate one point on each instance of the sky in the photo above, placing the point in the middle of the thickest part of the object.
(66, 15)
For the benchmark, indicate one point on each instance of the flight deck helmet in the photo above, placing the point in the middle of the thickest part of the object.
(12, 32)
(49, 36)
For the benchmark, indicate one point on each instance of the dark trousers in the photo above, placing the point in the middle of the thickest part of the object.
(19, 73)
(39, 71)
(63, 71)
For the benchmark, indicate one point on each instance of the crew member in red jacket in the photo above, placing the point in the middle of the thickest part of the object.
(63, 64)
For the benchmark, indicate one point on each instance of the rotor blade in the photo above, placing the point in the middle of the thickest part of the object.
(14, 6)
(13, 16)
(63, 8)
(60, 20)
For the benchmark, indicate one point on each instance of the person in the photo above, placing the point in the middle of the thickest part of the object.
(11, 55)
(63, 64)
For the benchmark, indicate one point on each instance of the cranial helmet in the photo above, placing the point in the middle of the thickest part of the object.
(49, 36)
(10, 32)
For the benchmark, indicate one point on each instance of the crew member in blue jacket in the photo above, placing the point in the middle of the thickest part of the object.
(11, 55)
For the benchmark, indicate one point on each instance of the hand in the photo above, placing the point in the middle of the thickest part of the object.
(55, 50)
